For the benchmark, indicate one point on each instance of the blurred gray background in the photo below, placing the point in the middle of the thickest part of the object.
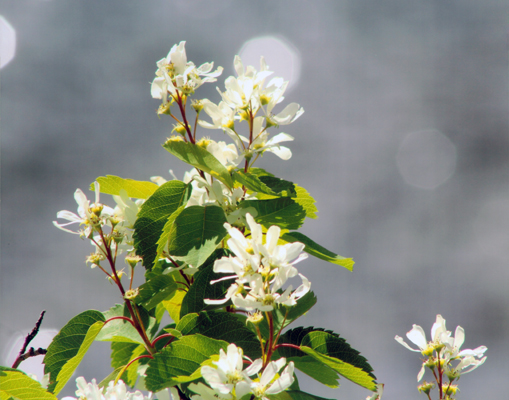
(404, 144)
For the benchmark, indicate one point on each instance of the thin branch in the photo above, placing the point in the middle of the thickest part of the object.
(23, 355)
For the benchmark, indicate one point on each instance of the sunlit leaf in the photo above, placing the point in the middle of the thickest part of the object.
(111, 184)
(69, 347)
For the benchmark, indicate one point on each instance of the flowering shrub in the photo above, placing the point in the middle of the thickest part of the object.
(219, 249)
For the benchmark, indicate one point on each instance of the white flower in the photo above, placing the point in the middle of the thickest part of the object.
(221, 114)
(118, 391)
(229, 377)
(242, 92)
(262, 143)
(446, 347)
(289, 114)
(86, 216)
(175, 73)
(439, 335)
(469, 362)
(266, 385)
(454, 344)
(274, 92)
(259, 269)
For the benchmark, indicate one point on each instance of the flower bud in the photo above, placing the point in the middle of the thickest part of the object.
(133, 260)
(244, 115)
(164, 109)
(203, 142)
(95, 259)
(255, 318)
(131, 294)
(425, 387)
(197, 105)
(450, 390)
(269, 122)
(264, 99)
(96, 209)
(179, 128)
(117, 236)
(174, 138)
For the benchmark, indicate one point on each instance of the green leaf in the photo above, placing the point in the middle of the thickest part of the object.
(157, 289)
(222, 325)
(318, 251)
(252, 182)
(202, 289)
(283, 212)
(69, 347)
(154, 214)
(332, 345)
(295, 395)
(169, 227)
(316, 370)
(265, 184)
(111, 184)
(174, 304)
(307, 202)
(331, 350)
(180, 358)
(15, 384)
(198, 231)
(283, 319)
(120, 330)
(354, 374)
(121, 354)
(199, 158)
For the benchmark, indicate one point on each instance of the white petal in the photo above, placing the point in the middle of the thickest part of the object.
(282, 152)
(400, 340)
(417, 336)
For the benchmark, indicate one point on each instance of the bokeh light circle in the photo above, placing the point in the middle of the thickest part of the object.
(280, 55)
(7, 42)
(426, 159)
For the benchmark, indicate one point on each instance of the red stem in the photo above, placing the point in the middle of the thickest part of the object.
(157, 339)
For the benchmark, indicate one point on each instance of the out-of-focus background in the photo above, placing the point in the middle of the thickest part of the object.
(404, 144)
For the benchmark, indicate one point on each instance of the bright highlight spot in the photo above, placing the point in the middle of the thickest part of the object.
(7, 42)
(281, 57)
(426, 159)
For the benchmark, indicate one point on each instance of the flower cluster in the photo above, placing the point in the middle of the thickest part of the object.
(118, 391)
(443, 353)
(230, 381)
(177, 76)
(93, 218)
(244, 97)
(260, 269)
